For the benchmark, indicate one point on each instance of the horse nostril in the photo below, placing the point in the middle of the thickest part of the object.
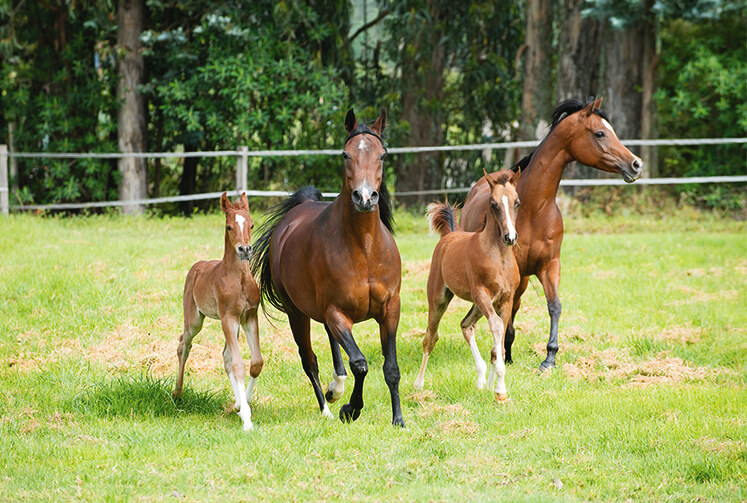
(357, 197)
(374, 197)
(637, 165)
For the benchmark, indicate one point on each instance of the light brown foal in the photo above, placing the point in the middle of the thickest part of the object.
(479, 267)
(225, 289)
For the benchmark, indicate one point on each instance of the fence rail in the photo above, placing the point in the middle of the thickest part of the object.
(242, 154)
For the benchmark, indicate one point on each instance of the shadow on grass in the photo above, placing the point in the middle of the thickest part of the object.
(143, 396)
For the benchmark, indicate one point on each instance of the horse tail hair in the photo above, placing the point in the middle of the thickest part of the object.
(441, 218)
(385, 207)
(523, 163)
(260, 263)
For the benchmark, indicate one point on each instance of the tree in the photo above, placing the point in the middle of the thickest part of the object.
(131, 118)
(537, 96)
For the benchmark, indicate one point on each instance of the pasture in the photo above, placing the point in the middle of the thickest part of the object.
(648, 401)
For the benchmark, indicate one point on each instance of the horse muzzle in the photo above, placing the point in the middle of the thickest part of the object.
(632, 172)
(244, 252)
(365, 198)
(510, 239)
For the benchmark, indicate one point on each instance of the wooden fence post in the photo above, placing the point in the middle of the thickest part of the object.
(242, 169)
(4, 208)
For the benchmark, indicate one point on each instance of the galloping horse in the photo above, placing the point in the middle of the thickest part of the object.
(578, 133)
(225, 289)
(481, 268)
(338, 264)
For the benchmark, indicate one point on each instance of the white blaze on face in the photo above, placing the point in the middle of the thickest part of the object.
(509, 222)
(241, 221)
(609, 126)
(362, 145)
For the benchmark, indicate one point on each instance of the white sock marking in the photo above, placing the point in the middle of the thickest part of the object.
(326, 412)
(479, 363)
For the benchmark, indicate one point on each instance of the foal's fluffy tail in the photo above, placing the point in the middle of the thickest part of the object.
(441, 218)
(261, 258)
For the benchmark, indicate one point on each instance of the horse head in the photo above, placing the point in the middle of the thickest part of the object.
(364, 154)
(595, 143)
(239, 225)
(504, 203)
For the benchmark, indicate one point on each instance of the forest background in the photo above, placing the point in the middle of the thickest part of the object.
(185, 75)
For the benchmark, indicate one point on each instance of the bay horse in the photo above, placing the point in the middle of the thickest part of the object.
(580, 133)
(479, 267)
(225, 290)
(337, 263)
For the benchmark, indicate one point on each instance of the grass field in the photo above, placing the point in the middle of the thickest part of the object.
(648, 402)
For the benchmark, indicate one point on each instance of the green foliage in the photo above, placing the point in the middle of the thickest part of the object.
(701, 94)
(60, 99)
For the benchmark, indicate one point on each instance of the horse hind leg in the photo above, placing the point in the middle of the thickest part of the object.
(300, 326)
(193, 320)
(436, 310)
(468, 330)
(236, 369)
(251, 329)
(510, 330)
(336, 388)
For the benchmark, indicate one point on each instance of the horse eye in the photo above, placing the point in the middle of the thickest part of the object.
(252, 227)
(345, 155)
(383, 156)
(517, 203)
(228, 227)
(599, 134)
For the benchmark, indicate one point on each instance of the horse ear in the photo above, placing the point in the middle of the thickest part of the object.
(589, 109)
(225, 204)
(490, 180)
(515, 176)
(380, 123)
(350, 121)
(243, 201)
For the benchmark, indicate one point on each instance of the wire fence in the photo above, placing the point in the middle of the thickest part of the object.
(242, 154)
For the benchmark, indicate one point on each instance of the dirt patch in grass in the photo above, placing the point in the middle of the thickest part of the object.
(684, 334)
(614, 363)
(700, 296)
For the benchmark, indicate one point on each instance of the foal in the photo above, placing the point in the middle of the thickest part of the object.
(226, 290)
(479, 267)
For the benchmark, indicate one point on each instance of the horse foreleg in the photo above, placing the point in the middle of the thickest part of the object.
(341, 328)
(300, 326)
(437, 304)
(251, 329)
(468, 331)
(388, 333)
(337, 387)
(508, 341)
(550, 278)
(235, 368)
(497, 376)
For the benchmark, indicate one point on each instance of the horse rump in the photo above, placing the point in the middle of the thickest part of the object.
(261, 258)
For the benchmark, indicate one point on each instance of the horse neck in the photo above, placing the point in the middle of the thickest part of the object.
(540, 180)
(361, 228)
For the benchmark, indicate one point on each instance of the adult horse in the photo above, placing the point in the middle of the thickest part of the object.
(337, 263)
(580, 133)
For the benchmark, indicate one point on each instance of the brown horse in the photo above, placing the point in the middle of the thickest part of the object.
(337, 263)
(479, 267)
(578, 133)
(225, 289)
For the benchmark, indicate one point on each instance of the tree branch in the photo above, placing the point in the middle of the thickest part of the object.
(384, 13)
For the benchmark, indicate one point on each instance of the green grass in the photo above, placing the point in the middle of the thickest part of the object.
(648, 402)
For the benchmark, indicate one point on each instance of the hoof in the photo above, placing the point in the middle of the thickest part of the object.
(236, 407)
(480, 384)
(248, 426)
(398, 421)
(418, 386)
(330, 396)
(502, 397)
(509, 360)
(545, 367)
(348, 413)
(327, 413)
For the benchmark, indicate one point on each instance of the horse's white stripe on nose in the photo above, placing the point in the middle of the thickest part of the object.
(609, 126)
(509, 223)
(240, 220)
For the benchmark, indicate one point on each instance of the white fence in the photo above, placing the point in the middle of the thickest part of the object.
(242, 155)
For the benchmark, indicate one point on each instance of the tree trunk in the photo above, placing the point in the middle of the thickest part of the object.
(422, 108)
(188, 183)
(537, 96)
(623, 75)
(131, 122)
(579, 67)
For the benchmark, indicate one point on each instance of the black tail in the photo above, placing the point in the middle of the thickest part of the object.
(261, 257)
(441, 218)
(523, 163)
(385, 208)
